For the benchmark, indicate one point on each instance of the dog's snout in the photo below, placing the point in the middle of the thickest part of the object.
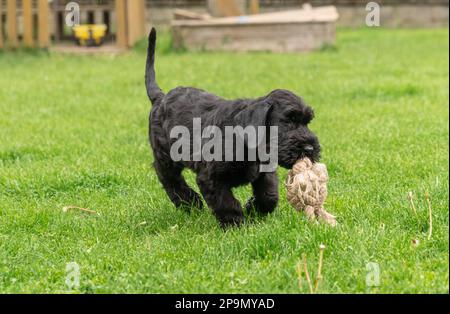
(308, 148)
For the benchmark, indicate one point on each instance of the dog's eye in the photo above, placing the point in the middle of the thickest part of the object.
(301, 117)
(294, 116)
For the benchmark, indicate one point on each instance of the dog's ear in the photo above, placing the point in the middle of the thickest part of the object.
(255, 114)
(308, 115)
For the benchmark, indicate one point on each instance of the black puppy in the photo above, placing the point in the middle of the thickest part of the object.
(215, 179)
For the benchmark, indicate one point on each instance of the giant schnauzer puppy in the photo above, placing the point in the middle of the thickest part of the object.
(216, 179)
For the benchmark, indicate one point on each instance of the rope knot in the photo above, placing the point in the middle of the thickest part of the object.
(306, 187)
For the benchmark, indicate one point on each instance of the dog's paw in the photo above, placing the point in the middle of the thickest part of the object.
(231, 221)
(262, 208)
(190, 200)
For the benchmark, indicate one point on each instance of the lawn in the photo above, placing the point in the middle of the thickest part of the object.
(73, 131)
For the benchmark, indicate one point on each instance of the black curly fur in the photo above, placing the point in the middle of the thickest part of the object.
(215, 179)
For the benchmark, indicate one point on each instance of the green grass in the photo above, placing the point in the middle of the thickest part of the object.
(73, 131)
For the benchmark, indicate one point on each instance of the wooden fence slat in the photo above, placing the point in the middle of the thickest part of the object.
(121, 23)
(1, 26)
(27, 23)
(11, 13)
(43, 28)
(225, 7)
(254, 6)
(135, 20)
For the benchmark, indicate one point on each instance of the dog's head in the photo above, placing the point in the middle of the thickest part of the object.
(291, 115)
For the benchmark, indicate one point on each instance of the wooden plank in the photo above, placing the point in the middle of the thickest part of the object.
(322, 14)
(180, 14)
(11, 13)
(121, 22)
(135, 20)
(254, 6)
(285, 37)
(1, 26)
(290, 31)
(27, 23)
(43, 21)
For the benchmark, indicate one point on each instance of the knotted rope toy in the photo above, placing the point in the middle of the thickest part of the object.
(306, 189)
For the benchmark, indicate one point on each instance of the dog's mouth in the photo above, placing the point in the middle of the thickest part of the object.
(315, 157)
(309, 151)
(290, 162)
(296, 151)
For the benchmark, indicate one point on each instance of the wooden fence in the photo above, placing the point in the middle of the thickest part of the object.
(28, 23)
(35, 26)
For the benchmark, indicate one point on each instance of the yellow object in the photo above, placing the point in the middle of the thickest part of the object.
(90, 34)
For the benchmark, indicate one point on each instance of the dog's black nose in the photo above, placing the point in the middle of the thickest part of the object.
(308, 148)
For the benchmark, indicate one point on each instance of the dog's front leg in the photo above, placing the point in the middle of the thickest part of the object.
(176, 187)
(220, 199)
(265, 193)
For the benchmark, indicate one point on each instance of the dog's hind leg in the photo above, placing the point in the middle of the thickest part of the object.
(265, 193)
(220, 199)
(176, 187)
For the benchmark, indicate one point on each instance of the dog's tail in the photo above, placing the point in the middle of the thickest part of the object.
(153, 91)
